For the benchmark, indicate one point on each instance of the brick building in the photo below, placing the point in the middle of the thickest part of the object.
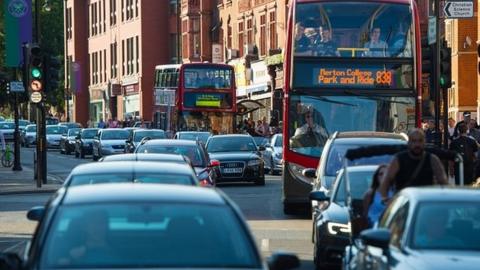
(113, 47)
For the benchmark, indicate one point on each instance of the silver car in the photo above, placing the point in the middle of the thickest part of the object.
(7, 128)
(109, 141)
(273, 154)
(29, 135)
(54, 134)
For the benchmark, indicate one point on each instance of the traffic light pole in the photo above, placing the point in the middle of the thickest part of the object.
(16, 135)
(436, 73)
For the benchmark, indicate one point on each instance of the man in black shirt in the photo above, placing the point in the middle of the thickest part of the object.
(414, 167)
(467, 147)
(466, 119)
(302, 43)
(325, 46)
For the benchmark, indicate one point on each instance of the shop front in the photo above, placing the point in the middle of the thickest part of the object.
(131, 98)
(97, 105)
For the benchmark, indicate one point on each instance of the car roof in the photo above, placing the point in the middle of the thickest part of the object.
(147, 129)
(231, 136)
(442, 194)
(128, 167)
(361, 141)
(86, 129)
(193, 132)
(134, 192)
(361, 168)
(145, 157)
(170, 142)
(370, 134)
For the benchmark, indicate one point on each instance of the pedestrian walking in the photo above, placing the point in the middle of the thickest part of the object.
(101, 124)
(372, 200)
(467, 148)
(466, 118)
(413, 167)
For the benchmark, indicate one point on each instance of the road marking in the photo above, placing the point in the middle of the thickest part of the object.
(264, 246)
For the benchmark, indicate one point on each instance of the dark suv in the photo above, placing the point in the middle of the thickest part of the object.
(84, 142)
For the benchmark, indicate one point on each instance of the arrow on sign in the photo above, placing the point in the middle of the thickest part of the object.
(447, 12)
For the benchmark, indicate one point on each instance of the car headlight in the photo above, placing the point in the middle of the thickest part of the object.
(336, 228)
(254, 162)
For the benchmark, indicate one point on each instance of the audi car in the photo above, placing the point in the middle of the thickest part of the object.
(239, 157)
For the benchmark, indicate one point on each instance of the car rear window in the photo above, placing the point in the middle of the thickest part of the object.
(190, 151)
(157, 178)
(147, 235)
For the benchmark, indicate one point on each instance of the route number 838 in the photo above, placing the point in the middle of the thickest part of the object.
(384, 77)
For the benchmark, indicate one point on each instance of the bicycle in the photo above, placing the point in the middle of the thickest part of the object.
(7, 157)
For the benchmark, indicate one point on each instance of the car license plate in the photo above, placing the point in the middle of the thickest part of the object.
(232, 170)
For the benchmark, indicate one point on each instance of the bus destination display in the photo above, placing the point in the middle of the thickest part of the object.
(353, 77)
(208, 100)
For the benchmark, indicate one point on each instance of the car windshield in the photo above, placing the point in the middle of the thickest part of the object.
(152, 134)
(231, 144)
(157, 178)
(53, 130)
(279, 141)
(73, 131)
(359, 183)
(337, 154)
(190, 151)
(89, 134)
(147, 235)
(208, 77)
(448, 226)
(260, 141)
(7, 125)
(31, 129)
(71, 125)
(193, 136)
(118, 134)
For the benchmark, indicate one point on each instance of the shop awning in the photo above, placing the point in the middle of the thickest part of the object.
(247, 106)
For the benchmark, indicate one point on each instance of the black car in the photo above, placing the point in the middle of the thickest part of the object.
(239, 158)
(331, 223)
(84, 142)
(148, 226)
(422, 228)
(136, 172)
(70, 125)
(194, 150)
(67, 141)
(137, 135)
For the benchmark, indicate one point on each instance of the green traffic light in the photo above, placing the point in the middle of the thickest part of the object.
(442, 81)
(36, 73)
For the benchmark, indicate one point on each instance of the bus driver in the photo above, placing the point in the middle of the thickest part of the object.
(310, 134)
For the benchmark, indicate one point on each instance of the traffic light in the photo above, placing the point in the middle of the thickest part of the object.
(445, 66)
(35, 68)
(427, 53)
(51, 70)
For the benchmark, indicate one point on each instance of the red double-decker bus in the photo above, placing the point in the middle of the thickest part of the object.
(350, 66)
(195, 97)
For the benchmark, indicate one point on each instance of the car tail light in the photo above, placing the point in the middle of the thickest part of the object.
(214, 163)
(204, 183)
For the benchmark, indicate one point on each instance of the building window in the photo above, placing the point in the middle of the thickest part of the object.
(240, 38)
(263, 35)
(113, 60)
(104, 17)
(174, 57)
(136, 8)
(105, 65)
(123, 57)
(99, 17)
(173, 6)
(229, 36)
(137, 54)
(250, 31)
(184, 38)
(123, 9)
(113, 12)
(273, 30)
(69, 23)
(95, 19)
(196, 37)
(100, 68)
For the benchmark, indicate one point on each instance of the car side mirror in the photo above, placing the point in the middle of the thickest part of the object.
(376, 237)
(283, 261)
(261, 148)
(309, 172)
(36, 213)
(214, 163)
(10, 261)
(320, 196)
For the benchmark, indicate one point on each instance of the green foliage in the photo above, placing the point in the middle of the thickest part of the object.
(51, 41)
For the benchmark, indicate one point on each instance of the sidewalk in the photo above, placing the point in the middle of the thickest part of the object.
(22, 182)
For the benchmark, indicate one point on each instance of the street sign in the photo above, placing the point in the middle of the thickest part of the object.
(432, 30)
(458, 9)
(36, 97)
(36, 85)
(16, 86)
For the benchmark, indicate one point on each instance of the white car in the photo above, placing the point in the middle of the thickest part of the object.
(54, 134)
(29, 135)
(109, 141)
(8, 128)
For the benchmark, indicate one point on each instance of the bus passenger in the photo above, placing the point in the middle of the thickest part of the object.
(325, 46)
(301, 41)
(313, 40)
(377, 47)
